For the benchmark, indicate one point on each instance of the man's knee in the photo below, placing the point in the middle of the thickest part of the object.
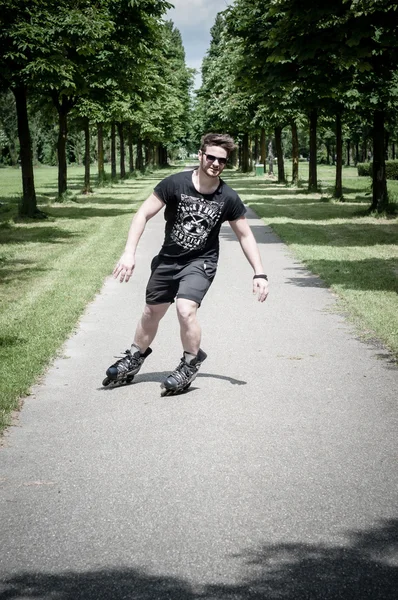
(154, 312)
(186, 309)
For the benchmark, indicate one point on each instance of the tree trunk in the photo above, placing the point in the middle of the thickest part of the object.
(250, 153)
(87, 157)
(364, 151)
(113, 150)
(386, 143)
(28, 206)
(100, 152)
(279, 155)
(256, 148)
(149, 153)
(122, 157)
(356, 153)
(234, 157)
(295, 154)
(270, 159)
(162, 152)
(313, 176)
(380, 197)
(263, 148)
(10, 127)
(130, 147)
(348, 150)
(338, 188)
(139, 162)
(14, 153)
(61, 148)
(245, 153)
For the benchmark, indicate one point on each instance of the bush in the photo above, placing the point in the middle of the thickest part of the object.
(392, 169)
(365, 169)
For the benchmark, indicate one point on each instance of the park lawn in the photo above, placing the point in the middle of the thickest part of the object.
(50, 270)
(355, 254)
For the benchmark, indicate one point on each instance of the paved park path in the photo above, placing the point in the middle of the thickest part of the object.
(274, 477)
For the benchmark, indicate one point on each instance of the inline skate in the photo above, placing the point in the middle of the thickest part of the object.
(179, 380)
(126, 368)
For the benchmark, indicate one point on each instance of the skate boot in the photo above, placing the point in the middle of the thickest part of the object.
(126, 368)
(179, 380)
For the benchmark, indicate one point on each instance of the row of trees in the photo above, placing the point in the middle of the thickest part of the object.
(115, 68)
(108, 64)
(274, 64)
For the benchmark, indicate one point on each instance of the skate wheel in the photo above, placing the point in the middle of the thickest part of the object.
(106, 381)
(129, 379)
(165, 392)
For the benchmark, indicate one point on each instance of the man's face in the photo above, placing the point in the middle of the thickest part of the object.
(210, 160)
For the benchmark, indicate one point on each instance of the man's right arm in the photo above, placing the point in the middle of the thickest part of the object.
(125, 267)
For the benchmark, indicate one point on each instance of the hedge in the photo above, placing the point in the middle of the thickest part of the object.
(365, 169)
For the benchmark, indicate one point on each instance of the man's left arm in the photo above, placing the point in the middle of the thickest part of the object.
(250, 249)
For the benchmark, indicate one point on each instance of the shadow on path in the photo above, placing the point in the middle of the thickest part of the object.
(160, 376)
(365, 568)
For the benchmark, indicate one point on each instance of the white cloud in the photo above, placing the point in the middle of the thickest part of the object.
(194, 19)
(195, 13)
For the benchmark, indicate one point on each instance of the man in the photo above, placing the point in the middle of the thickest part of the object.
(196, 204)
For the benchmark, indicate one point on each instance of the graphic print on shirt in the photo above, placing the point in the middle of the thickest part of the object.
(194, 221)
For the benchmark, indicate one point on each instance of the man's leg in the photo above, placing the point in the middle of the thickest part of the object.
(181, 378)
(126, 367)
(190, 330)
(148, 324)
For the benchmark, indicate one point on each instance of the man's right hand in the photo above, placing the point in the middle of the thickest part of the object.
(125, 267)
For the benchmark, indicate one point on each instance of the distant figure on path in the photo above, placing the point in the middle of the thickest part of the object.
(196, 204)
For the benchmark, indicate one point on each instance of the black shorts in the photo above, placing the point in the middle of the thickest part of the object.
(171, 279)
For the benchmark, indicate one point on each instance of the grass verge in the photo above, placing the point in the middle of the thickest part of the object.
(352, 252)
(50, 270)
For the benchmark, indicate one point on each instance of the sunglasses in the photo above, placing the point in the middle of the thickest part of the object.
(210, 158)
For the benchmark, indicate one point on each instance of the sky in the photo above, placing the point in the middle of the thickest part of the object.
(194, 19)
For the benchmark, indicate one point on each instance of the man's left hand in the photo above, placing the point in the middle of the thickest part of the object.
(260, 287)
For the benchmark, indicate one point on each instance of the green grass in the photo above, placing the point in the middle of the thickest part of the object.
(352, 252)
(51, 269)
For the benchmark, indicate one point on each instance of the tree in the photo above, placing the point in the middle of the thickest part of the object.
(8, 124)
(221, 104)
(64, 50)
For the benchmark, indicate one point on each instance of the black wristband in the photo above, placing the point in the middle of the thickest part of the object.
(260, 277)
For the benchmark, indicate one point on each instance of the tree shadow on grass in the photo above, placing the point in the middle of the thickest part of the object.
(35, 234)
(98, 201)
(267, 192)
(85, 212)
(363, 568)
(354, 233)
(6, 341)
(370, 274)
(20, 270)
(305, 211)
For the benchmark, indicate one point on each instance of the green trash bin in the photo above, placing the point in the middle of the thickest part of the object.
(259, 169)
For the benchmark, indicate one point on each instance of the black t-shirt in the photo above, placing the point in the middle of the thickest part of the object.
(193, 220)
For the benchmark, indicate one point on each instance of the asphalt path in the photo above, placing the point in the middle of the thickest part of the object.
(274, 477)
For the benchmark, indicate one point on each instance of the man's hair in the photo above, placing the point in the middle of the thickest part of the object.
(217, 139)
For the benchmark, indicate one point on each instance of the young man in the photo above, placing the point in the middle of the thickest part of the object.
(196, 204)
